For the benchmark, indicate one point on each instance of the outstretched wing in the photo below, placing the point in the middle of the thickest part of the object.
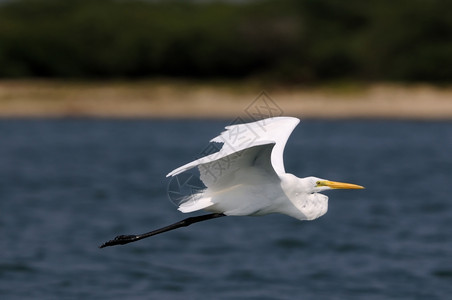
(272, 132)
(249, 165)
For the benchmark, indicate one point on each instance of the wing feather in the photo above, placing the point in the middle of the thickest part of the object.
(242, 136)
(251, 151)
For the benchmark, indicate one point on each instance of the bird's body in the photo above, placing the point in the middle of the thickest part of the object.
(246, 177)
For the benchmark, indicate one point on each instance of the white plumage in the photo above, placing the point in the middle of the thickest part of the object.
(247, 176)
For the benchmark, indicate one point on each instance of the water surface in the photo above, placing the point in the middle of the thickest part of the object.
(66, 186)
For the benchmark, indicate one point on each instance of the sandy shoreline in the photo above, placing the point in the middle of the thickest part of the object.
(172, 99)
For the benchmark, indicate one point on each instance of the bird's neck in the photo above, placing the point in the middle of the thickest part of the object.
(302, 204)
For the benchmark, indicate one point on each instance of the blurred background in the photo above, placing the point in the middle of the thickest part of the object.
(100, 99)
(288, 41)
(225, 50)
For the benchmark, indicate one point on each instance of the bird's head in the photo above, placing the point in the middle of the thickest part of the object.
(319, 185)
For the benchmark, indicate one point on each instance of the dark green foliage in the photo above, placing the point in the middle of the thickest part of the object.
(296, 41)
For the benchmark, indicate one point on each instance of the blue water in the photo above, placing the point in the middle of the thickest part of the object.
(66, 186)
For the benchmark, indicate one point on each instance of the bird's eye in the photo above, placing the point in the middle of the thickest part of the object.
(318, 183)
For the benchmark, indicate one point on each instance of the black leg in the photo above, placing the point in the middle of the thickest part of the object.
(125, 239)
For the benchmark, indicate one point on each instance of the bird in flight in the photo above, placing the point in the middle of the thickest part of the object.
(246, 177)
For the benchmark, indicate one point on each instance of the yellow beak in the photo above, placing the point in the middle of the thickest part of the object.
(339, 185)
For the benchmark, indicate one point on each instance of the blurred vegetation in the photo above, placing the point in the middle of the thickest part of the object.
(285, 41)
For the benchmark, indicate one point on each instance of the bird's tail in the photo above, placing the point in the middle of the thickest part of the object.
(195, 202)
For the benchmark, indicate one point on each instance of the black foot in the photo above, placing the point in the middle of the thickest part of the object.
(125, 239)
(119, 240)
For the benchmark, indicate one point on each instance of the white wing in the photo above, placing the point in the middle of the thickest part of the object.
(251, 153)
(239, 137)
(250, 165)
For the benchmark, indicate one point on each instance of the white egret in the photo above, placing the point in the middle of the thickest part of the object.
(246, 177)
